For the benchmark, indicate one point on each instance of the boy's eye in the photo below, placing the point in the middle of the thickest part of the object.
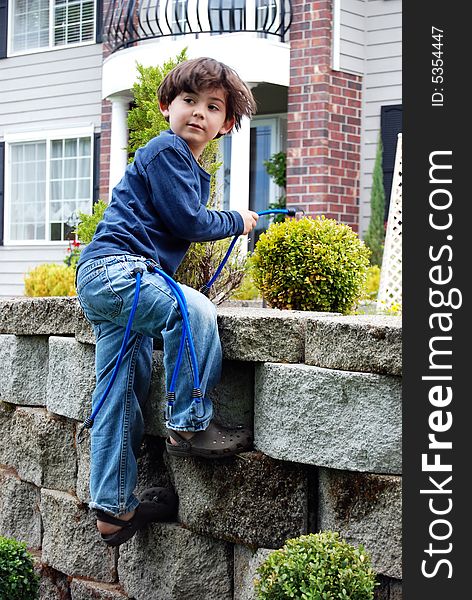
(213, 107)
(188, 100)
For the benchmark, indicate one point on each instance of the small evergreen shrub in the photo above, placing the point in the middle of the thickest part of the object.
(50, 279)
(18, 580)
(319, 566)
(375, 235)
(310, 264)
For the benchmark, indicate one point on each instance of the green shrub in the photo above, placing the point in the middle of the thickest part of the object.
(375, 235)
(18, 580)
(88, 223)
(372, 283)
(319, 566)
(247, 290)
(310, 264)
(50, 279)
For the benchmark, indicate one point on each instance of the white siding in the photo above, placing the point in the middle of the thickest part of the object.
(43, 91)
(52, 89)
(382, 85)
(352, 36)
(16, 261)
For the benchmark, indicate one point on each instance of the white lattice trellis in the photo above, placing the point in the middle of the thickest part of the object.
(390, 288)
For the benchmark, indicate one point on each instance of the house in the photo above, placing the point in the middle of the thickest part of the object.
(326, 76)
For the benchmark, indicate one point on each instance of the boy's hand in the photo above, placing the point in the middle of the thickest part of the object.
(250, 219)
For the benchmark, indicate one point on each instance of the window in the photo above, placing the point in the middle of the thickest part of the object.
(227, 15)
(179, 16)
(268, 135)
(43, 24)
(265, 15)
(49, 181)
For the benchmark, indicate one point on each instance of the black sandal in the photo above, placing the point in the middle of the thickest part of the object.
(156, 504)
(214, 442)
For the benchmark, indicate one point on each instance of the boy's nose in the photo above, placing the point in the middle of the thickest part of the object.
(197, 111)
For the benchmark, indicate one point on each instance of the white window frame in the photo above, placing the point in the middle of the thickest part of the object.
(50, 47)
(276, 144)
(37, 136)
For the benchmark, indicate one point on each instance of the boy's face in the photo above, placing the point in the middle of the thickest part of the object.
(198, 117)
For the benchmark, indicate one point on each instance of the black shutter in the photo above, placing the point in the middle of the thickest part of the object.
(3, 28)
(390, 126)
(98, 21)
(2, 188)
(96, 167)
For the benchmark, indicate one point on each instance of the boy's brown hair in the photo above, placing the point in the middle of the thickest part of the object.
(206, 73)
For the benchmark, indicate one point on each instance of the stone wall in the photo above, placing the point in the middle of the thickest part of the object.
(323, 393)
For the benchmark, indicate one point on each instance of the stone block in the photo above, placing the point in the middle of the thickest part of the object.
(81, 589)
(167, 562)
(152, 470)
(396, 590)
(264, 334)
(42, 448)
(23, 369)
(388, 589)
(365, 509)
(71, 542)
(154, 408)
(336, 419)
(7, 454)
(371, 344)
(233, 397)
(248, 499)
(71, 378)
(53, 585)
(83, 466)
(39, 316)
(83, 330)
(19, 509)
(246, 561)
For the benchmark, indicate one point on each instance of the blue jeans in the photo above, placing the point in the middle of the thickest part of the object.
(106, 288)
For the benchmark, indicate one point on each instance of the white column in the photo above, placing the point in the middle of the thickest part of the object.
(119, 139)
(240, 153)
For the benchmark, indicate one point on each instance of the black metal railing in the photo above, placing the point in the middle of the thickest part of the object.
(129, 21)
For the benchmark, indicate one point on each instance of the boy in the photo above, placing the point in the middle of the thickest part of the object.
(156, 211)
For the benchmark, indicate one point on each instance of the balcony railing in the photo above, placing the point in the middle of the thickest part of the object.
(129, 21)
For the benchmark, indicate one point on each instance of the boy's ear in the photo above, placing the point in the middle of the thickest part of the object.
(164, 110)
(227, 126)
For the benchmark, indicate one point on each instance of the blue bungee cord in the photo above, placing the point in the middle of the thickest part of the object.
(153, 267)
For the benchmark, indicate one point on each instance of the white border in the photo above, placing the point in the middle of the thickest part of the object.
(336, 45)
(11, 53)
(33, 136)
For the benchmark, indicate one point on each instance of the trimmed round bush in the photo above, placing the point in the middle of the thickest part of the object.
(18, 580)
(310, 264)
(318, 566)
(50, 279)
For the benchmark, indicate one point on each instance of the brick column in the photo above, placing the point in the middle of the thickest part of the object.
(105, 135)
(324, 120)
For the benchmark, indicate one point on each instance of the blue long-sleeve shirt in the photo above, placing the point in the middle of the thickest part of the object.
(159, 207)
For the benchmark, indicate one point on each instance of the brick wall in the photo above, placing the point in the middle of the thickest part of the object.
(105, 139)
(105, 136)
(324, 121)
